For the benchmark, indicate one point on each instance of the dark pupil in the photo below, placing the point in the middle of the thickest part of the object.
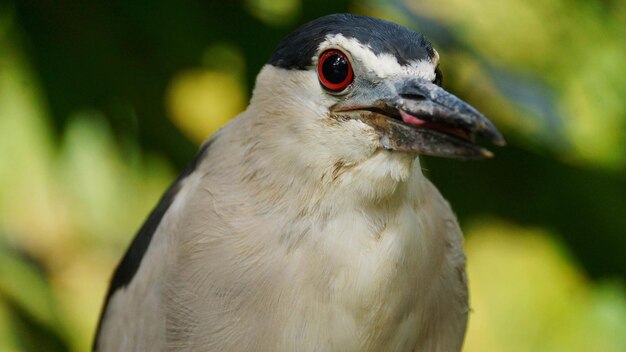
(335, 69)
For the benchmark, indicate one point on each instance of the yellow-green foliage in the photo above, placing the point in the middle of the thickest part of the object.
(576, 47)
(71, 202)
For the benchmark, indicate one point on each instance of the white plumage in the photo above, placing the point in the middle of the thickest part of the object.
(296, 231)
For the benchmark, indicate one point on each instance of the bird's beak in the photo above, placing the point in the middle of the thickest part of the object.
(414, 115)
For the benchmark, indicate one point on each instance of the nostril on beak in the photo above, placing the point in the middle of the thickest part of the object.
(413, 96)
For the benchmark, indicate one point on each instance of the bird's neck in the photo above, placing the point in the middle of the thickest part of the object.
(362, 226)
(302, 160)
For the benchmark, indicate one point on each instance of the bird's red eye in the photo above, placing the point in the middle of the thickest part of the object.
(334, 70)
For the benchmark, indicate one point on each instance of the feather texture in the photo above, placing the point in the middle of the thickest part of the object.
(296, 232)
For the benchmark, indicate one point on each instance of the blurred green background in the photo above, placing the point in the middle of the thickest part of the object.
(103, 102)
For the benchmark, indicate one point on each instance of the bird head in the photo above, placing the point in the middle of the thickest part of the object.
(350, 86)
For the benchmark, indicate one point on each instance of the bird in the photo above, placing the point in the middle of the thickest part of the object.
(306, 223)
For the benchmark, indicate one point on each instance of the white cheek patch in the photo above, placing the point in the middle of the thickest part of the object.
(382, 65)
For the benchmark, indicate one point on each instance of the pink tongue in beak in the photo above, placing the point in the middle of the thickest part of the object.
(416, 121)
(412, 120)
